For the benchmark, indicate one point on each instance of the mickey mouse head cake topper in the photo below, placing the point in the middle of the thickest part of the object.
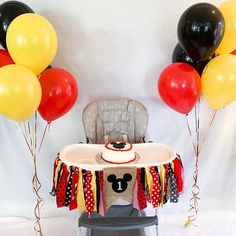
(118, 152)
(118, 145)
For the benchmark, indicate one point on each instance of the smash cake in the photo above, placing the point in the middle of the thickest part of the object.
(118, 152)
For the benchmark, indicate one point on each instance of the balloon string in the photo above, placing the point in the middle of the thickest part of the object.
(35, 181)
(25, 138)
(36, 187)
(44, 133)
(207, 133)
(30, 136)
(193, 202)
(39, 201)
(190, 134)
(197, 124)
(29, 131)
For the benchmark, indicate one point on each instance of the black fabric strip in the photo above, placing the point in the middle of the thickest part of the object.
(170, 169)
(156, 169)
(97, 189)
(143, 177)
(174, 195)
(84, 182)
(166, 184)
(69, 187)
(179, 158)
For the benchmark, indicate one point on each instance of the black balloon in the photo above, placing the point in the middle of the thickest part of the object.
(49, 67)
(200, 30)
(179, 55)
(8, 12)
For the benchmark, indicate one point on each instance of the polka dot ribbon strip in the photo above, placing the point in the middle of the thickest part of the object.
(69, 187)
(174, 194)
(61, 189)
(75, 179)
(156, 188)
(89, 199)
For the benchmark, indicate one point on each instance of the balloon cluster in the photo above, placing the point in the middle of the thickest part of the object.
(204, 60)
(27, 83)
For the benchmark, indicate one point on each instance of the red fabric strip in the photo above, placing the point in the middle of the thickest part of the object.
(178, 172)
(89, 199)
(156, 188)
(61, 188)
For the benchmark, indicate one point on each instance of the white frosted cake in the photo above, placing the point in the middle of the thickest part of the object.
(118, 152)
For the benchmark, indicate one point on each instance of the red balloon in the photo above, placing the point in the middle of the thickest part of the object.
(59, 93)
(233, 52)
(179, 86)
(5, 58)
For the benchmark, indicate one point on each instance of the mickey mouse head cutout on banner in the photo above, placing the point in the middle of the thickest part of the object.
(119, 185)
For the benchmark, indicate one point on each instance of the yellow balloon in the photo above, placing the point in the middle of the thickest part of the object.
(228, 43)
(20, 92)
(219, 81)
(32, 42)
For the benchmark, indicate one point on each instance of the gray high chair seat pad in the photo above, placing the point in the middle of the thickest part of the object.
(115, 119)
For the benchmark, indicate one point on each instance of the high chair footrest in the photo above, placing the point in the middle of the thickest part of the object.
(118, 223)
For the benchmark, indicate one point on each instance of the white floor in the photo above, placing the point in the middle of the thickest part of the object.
(209, 223)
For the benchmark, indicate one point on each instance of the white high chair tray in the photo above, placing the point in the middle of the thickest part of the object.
(85, 155)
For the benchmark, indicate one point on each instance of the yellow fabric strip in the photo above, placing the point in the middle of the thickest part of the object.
(68, 177)
(149, 179)
(80, 193)
(162, 180)
(56, 173)
(94, 189)
(172, 166)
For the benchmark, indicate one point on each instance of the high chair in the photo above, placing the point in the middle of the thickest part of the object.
(108, 119)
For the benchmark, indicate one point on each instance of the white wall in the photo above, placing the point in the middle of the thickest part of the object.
(118, 48)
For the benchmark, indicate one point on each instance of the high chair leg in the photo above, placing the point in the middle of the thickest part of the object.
(79, 228)
(79, 231)
(156, 230)
(156, 212)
